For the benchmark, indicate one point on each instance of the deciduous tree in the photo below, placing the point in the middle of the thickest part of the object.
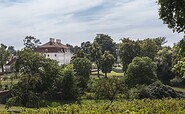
(106, 44)
(164, 64)
(31, 42)
(82, 67)
(128, 49)
(4, 56)
(142, 70)
(107, 63)
(96, 55)
(172, 12)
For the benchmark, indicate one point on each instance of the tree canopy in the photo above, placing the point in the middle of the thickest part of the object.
(31, 42)
(4, 56)
(172, 12)
(142, 70)
(107, 63)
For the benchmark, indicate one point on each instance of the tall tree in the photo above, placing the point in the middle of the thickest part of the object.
(160, 41)
(164, 64)
(70, 47)
(181, 46)
(128, 49)
(4, 56)
(82, 67)
(172, 12)
(107, 63)
(149, 48)
(12, 50)
(106, 44)
(96, 55)
(37, 77)
(31, 42)
(179, 68)
(86, 47)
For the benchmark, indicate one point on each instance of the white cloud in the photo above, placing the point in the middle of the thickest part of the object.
(63, 19)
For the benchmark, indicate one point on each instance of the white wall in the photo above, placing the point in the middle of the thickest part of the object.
(62, 58)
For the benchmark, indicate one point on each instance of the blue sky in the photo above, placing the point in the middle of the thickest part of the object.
(75, 21)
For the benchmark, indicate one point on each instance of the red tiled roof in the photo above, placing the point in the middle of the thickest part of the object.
(53, 44)
(52, 47)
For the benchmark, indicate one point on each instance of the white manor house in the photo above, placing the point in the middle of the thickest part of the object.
(55, 50)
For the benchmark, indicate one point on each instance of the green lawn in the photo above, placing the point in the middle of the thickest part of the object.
(112, 73)
(179, 89)
(6, 79)
(12, 109)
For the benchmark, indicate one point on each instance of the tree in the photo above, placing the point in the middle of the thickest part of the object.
(172, 12)
(149, 48)
(128, 49)
(179, 68)
(31, 42)
(4, 56)
(107, 88)
(70, 47)
(181, 47)
(82, 67)
(160, 41)
(106, 44)
(37, 77)
(96, 55)
(142, 70)
(69, 85)
(65, 86)
(164, 64)
(12, 50)
(86, 46)
(107, 63)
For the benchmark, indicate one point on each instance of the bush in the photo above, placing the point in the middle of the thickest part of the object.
(141, 71)
(159, 91)
(106, 88)
(177, 82)
(65, 86)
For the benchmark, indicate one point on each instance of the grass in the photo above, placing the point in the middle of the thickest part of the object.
(111, 74)
(179, 89)
(6, 80)
(12, 109)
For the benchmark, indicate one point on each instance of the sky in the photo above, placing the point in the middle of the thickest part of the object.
(77, 21)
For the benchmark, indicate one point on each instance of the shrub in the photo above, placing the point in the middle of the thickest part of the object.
(159, 91)
(142, 70)
(106, 88)
(177, 82)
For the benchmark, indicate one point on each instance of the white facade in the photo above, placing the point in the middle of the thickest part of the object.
(55, 50)
(62, 58)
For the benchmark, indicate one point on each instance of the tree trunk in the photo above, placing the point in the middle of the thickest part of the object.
(106, 75)
(98, 72)
(2, 67)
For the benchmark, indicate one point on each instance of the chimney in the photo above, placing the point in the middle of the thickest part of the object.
(52, 40)
(58, 41)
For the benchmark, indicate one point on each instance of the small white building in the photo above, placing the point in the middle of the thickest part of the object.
(55, 50)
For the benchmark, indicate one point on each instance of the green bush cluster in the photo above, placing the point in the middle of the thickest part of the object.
(154, 91)
(145, 106)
